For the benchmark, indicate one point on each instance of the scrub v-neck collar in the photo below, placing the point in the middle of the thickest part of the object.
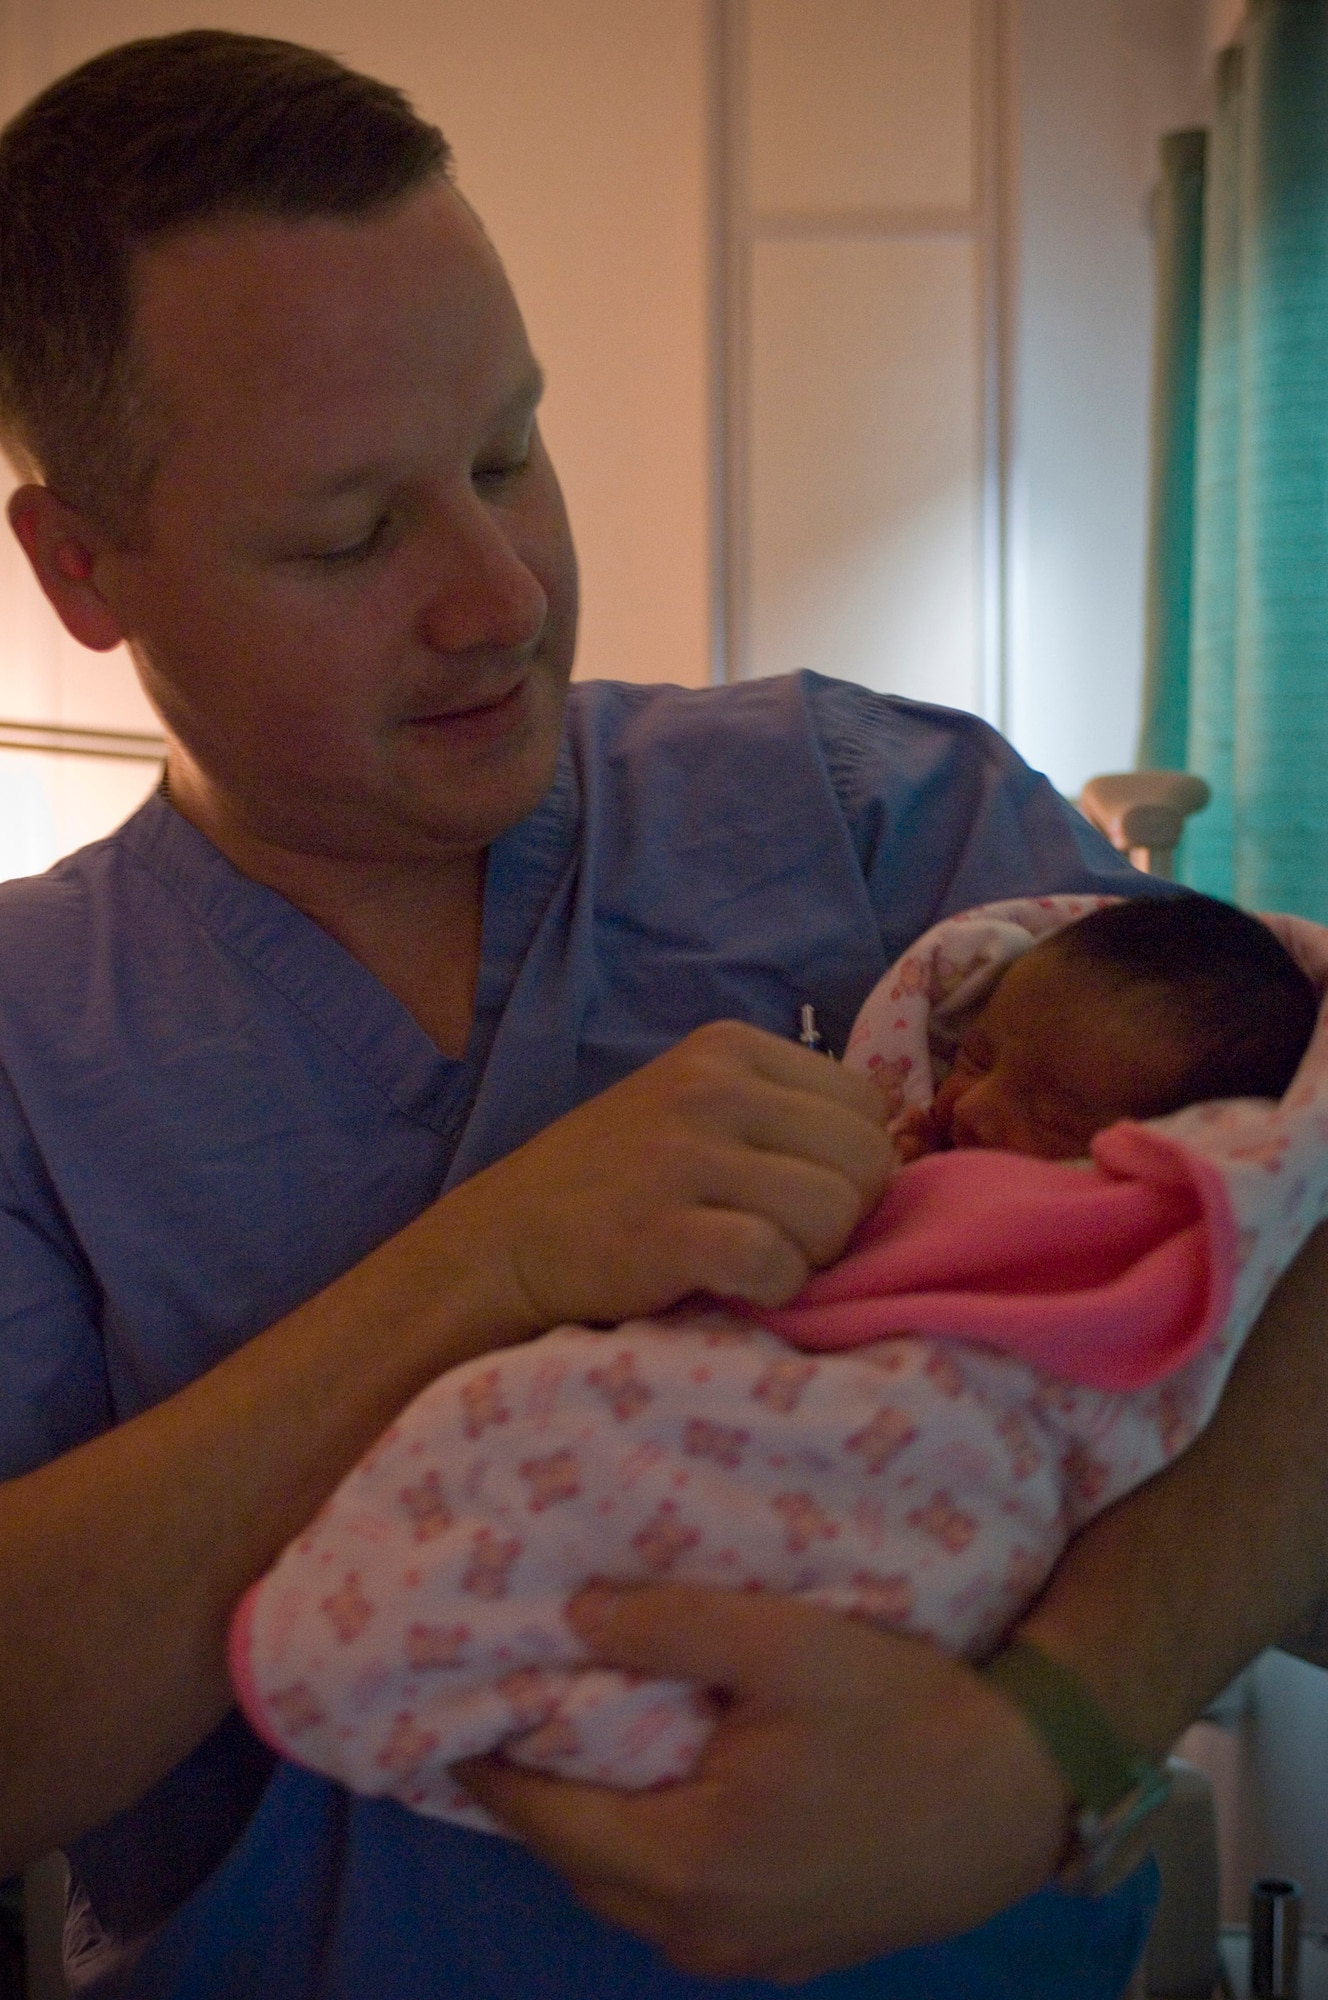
(346, 1002)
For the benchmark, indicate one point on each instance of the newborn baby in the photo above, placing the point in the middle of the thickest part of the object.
(1014, 1339)
(1131, 1012)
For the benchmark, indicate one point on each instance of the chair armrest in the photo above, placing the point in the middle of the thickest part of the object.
(1142, 812)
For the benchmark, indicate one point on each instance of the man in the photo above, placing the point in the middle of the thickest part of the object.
(380, 1039)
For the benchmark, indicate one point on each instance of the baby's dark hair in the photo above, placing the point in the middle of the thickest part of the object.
(1223, 977)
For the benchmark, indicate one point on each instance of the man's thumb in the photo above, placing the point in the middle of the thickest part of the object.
(726, 1639)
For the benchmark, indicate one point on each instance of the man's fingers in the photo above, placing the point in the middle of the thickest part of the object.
(648, 1862)
(599, 1839)
(845, 1763)
(721, 1639)
(782, 1097)
(813, 1208)
(819, 1131)
(735, 1163)
(787, 1063)
(768, 1649)
(734, 1255)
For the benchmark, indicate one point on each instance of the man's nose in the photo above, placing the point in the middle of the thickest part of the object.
(482, 594)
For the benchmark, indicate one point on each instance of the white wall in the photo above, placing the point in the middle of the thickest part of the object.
(1270, 1781)
(1097, 82)
(857, 248)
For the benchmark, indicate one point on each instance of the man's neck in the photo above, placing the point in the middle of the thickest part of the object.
(414, 924)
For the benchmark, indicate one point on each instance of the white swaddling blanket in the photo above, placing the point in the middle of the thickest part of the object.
(927, 1484)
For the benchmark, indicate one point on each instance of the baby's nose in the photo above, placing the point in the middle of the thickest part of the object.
(980, 1117)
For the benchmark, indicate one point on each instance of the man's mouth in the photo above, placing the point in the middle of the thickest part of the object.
(477, 720)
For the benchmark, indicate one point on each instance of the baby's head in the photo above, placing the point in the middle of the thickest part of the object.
(1132, 1012)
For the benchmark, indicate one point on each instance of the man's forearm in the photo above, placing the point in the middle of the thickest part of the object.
(1160, 1602)
(121, 1561)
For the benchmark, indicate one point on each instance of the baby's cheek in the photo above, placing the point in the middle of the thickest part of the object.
(940, 1118)
(1067, 1145)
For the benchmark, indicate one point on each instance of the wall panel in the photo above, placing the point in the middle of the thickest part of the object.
(861, 104)
(861, 233)
(865, 474)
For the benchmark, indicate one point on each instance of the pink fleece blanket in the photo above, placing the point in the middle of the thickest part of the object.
(1114, 1274)
(1009, 1345)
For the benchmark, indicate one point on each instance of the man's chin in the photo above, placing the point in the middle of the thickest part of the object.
(473, 782)
(448, 824)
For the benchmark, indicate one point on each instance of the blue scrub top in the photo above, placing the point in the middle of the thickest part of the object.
(209, 1110)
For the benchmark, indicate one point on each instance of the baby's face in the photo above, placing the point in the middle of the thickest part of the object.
(1054, 1057)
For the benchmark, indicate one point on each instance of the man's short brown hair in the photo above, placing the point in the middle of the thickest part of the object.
(147, 140)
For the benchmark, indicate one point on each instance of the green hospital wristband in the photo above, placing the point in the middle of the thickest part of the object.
(1097, 1766)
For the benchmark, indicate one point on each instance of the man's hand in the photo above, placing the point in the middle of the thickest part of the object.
(862, 1792)
(735, 1164)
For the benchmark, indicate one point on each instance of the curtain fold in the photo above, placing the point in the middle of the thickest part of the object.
(1253, 693)
(1281, 754)
(1207, 858)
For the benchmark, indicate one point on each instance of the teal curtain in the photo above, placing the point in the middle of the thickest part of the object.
(1281, 695)
(1178, 209)
(1255, 696)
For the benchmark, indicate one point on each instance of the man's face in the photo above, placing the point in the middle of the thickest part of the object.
(353, 596)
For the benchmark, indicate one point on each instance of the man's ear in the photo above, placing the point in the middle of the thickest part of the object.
(63, 549)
